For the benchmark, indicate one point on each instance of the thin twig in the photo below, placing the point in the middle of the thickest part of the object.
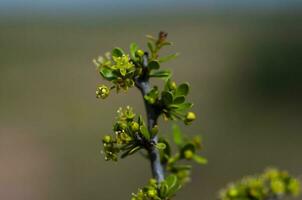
(143, 85)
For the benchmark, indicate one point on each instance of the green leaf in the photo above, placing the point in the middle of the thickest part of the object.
(167, 97)
(168, 58)
(183, 106)
(183, 167)
(182, 89)
(167, 150)
(150, 46)
(117, 52)
(160, 146)
(154, 64)
(130, 151)
(179, 100)
(163, 189)
(107, 73)
(173, 185)
(177, 135)
(145, 132)
(171, 181)
(160, 73)
(133, 49)
(200, 160)
(150, 37)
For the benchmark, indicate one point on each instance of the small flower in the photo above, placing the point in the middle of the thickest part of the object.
(102, 92)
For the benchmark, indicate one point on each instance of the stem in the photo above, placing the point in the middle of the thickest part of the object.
(152, 112)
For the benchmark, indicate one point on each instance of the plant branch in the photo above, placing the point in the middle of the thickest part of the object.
(152, 112)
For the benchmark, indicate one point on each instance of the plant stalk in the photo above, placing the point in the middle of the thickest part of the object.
(152, 112)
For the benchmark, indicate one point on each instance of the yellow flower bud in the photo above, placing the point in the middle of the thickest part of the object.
(188, 154)
(107, 139)
(172, 85)
(152, 192)
(139, 53)
(190, 117)
(152, 181)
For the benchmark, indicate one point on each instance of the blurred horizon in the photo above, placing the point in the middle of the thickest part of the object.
(57, 8)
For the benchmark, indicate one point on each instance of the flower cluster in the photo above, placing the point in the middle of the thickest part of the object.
(131, 135)
(158, 191)
(118, 68)
(272, 184)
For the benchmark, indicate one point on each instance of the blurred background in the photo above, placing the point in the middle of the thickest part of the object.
(243, 59)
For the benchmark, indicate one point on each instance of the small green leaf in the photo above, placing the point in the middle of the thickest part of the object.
(130, 151)
(133, 49)
(150, 37)
(145, 132)
(183, 167)
(163, 189)
(107, 73)
(171, 181)
(200, 160)
(183, 106)
(173, 185)
(179, 100)
(153, 64)
(168, 58)
(160, 74)
(160, 146)
(182, 89)
(117, 52)
(177, 135)
(167, 97)
(150, 46)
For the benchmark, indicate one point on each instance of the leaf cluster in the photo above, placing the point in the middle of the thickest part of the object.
(158, 191)
(272, 184)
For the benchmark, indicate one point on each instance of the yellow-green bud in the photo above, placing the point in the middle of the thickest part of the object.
(102, 92)
(190, 117)
(294, 187)
(134, 126)
(152, 192)
(107, 139)
(172, 85)
(277, 186)
(139, 53)
(152, 181)
(123, 125)
(188, 154)
(233, 192)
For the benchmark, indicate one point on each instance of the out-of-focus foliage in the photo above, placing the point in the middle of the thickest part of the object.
(272, 184)
(158, 191)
